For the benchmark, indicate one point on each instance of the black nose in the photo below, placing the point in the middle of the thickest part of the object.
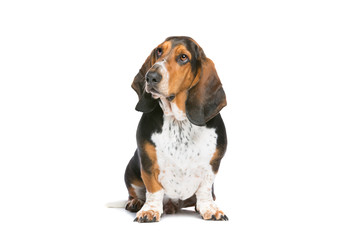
(153, 77)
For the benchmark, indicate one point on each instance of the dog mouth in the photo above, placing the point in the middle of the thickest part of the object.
(156, 94)
(154, 91)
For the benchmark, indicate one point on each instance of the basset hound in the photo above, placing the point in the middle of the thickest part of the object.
(181, 136)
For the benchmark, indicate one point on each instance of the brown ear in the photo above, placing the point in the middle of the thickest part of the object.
(207, 97)
(146, 102)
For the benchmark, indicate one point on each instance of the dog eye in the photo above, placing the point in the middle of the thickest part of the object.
(158, 52)
(183, 58)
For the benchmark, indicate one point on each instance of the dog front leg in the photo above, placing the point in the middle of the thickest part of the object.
(205, 203)
(153, 206)
(152, 209)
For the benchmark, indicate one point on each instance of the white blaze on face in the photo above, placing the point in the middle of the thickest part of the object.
(169, 108)
(163, 86)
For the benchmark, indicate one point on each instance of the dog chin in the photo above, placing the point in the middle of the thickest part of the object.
(155, 95)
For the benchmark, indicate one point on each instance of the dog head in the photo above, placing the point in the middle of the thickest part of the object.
(179, 74)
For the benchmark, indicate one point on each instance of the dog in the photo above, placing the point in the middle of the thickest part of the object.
(181, 137)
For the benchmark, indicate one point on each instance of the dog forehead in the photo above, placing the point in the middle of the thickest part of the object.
(187, 42)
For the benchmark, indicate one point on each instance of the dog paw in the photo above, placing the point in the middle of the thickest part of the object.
(134, 205)
(147, 216)
(170, 207)
(214, 214)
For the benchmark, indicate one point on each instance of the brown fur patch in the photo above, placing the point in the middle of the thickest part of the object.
(180, 49)
(180, 100)
(180, 76)
(132, 193)
(137, 182)
(216, 158)
(166, 47)
(151, 178)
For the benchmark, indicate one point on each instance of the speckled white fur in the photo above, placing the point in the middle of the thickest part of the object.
(183, 152)
(154, 202)
(205, 202)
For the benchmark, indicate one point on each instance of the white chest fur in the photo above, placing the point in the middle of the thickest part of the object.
(183, 153)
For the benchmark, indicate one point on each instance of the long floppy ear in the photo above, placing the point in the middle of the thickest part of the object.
(207, 97)
(146, 102)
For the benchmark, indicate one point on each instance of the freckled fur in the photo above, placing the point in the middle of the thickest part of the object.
(183, 163)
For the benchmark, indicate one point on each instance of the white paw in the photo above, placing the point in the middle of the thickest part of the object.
(147, 216)
(212, 212)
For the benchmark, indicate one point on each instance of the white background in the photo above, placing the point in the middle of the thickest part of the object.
(290, 70)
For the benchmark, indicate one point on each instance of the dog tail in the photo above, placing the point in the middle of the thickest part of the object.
(118, 204)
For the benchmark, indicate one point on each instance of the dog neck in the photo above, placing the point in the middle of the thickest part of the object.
(171, 109)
